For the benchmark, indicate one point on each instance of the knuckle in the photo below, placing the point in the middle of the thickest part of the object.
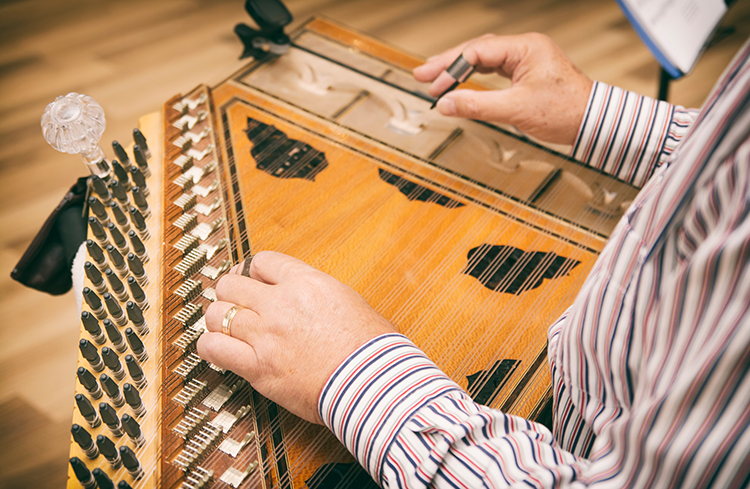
(469, 107)
(223, 286)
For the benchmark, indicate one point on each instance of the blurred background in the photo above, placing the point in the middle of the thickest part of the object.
(131, 57)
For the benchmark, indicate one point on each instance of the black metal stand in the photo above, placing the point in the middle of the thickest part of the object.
(664, 79)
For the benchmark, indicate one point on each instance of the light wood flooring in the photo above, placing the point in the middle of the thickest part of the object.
(132, 56)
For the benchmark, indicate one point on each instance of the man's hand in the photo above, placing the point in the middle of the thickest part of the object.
(548, 95)
(298, 325)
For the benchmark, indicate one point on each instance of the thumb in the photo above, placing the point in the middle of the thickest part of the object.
(491, 105)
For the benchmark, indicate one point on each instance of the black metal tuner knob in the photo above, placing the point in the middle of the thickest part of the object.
(271, 16)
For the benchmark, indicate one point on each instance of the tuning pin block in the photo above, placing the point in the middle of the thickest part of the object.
(83, 438)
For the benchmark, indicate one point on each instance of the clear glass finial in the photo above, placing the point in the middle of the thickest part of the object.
(73, 124)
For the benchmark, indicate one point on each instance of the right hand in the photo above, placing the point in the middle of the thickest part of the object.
(548, 95)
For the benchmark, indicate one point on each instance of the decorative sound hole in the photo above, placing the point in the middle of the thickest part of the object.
(414, 191)
(340, 476)
(512, 270)
(282, 157)
(485, 384)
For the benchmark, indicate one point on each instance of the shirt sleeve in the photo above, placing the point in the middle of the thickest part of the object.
(410, 425)
(628, 135)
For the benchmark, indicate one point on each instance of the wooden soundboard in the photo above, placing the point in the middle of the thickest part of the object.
(469, 238)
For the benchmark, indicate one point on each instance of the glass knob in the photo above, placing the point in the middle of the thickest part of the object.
(73, 124)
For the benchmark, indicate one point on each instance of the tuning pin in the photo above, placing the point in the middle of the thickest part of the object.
(109, 386)
(140, 201)
(82, 472)
(139, 222)
(116, 285)
(123, 485)
(117, 238)
(112, 361)
(136, 317)
(140, 140)
(136, 373)
(91, 354)
(115, 311)
(121, 174)
(94, 303)
(115, 336)
(102, 479)
(109, 416)
(88, 412)
(116, 259)
(83, 438)
(91, 325)
(95, 277)
(133, 430)
(139, 180)
(138, 295)
(119, 192)
(98, 231)
(121, 155)
(120, 218)
(110, 452)
(99, 210)
(136, 345)
(133, 398)
(138, 247)
(88, 381)
(101, 189)
(131, 463)
(95, 252)
(136, 267)
(140, 159)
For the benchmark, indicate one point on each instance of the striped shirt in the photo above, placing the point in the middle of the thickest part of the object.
(651, 363)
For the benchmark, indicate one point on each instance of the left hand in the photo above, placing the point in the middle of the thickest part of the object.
(298, 324)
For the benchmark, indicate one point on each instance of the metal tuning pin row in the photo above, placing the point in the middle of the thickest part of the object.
(114, 319)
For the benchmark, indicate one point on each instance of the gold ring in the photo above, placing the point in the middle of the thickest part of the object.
(226, 323)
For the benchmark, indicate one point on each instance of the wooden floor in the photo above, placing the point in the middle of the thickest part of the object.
(131, 56)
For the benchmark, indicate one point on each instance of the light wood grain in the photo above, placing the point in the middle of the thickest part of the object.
(131, 57)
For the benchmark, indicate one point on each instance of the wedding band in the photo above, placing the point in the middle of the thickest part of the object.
(226, 323)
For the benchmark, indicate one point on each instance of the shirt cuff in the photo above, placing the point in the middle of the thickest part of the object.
(375, 392)
(624, 133)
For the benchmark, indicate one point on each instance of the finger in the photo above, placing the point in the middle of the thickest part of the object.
(440, 62)
(228, 353)
(242, 326)
(271, 267)
(240, 290)
(493, 105)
